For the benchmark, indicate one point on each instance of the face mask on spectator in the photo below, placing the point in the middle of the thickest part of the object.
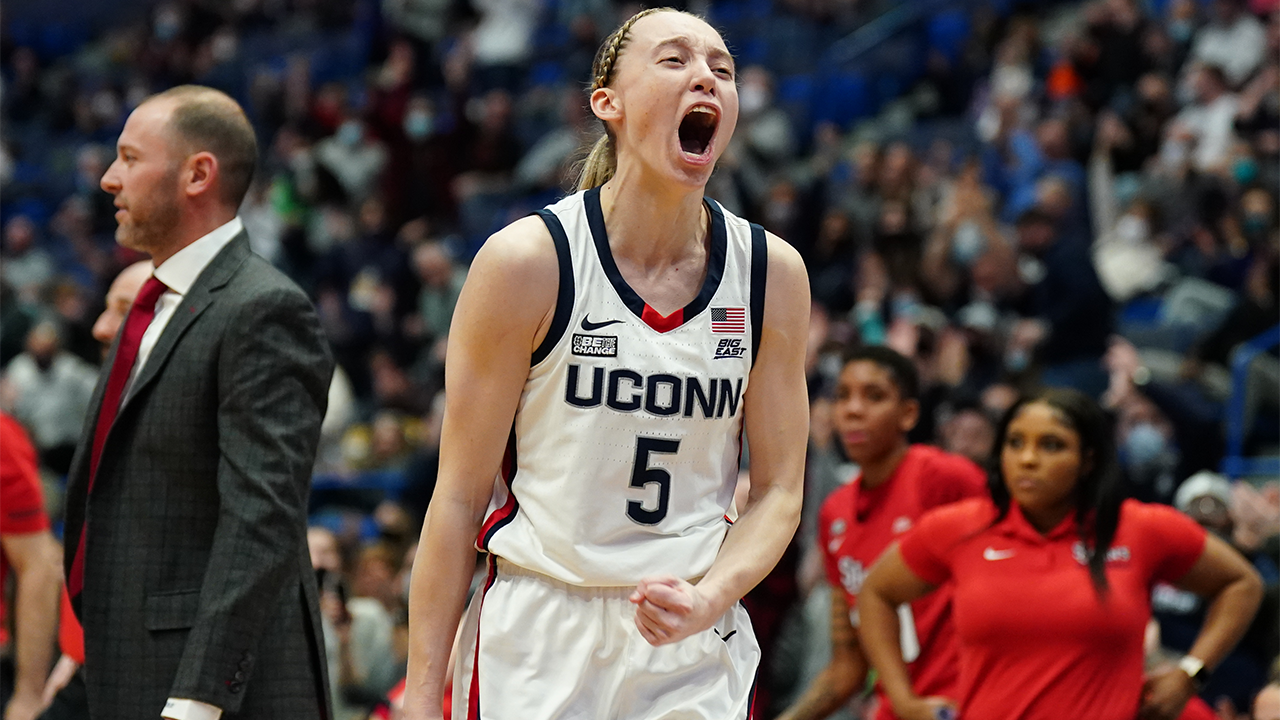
(1180, 30)
(350, 133)
(1143, 445)
(1244, 170)
(1254, 225)
(752, 98)
(167, 25)
(967, 243)
(1131, 229)
(418, 125)
(1017, 360)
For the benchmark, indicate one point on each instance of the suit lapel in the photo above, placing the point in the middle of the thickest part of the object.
(198, 298)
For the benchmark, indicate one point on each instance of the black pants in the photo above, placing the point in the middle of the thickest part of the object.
(71, 702)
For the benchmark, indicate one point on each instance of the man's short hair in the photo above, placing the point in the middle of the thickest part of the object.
(900, 368)
(208, 120)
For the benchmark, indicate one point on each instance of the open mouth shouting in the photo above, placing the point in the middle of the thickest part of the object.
(697, 130)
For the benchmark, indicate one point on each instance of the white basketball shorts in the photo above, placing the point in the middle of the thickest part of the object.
(547, 650)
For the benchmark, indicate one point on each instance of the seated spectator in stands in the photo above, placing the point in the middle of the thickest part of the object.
(968, 431)
(421, 471)
(488, 153)
(966, 231)
(1254, 313)
(1148, 449)
(1258, 115)
(1233, 40)
(1033, 156)
(355, 158)
(441, 279)
(27, 266)
(71, 309)
(1145, 389)
(1206, 497)
(1200, 135)
(51, 390)
(544, 168)
(395, 389)
(357, 634)
(420, 175)
(765, 128)
(502, 42)
(376, 572)
(76, 246)
(1066, 313)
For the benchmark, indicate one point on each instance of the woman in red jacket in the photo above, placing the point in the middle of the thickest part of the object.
(1052, 580)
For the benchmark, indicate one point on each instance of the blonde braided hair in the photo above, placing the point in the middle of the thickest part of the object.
(601, 163)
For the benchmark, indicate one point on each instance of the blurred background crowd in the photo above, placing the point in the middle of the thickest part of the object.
(1012, 194)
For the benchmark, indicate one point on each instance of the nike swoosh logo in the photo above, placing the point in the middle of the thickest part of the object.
(589, 326)
(992, 554)
(725, 638)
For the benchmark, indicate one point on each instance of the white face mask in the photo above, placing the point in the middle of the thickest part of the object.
(1131, 229)
(752, 99)
(967, 243)
(418, 124)
(350, 133)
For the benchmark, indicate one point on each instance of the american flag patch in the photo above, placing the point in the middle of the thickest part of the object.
(728, 319)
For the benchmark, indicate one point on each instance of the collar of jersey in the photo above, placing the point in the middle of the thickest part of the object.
(866, 499)
(629, 297)
(1016, 525)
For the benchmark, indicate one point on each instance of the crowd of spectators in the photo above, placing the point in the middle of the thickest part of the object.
(1078, 194)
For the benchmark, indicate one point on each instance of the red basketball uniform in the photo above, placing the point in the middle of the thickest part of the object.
(1037, 641)
(21, 502)
(856, 525)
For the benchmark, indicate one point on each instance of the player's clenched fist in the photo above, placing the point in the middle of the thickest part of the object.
(669, 609)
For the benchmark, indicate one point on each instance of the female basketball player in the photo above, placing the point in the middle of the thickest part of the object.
(605, 358)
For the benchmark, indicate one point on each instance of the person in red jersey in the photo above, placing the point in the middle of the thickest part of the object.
(1051, 582)
(29, 550)
(875, 408)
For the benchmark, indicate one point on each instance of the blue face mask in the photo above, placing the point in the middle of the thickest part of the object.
(350, 133)
(1016, 360)
(967, 243)
(1144, 445)
(418, 125)
(1244, 170)
(167, 29)
(1254, 224)
(1180, 30)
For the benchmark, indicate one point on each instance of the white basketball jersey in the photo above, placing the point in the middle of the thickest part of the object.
(624, 452)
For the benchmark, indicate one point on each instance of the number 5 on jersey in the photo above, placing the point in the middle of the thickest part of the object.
(642, 476)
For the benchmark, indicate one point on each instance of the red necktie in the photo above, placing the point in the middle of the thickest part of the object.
(140, 315)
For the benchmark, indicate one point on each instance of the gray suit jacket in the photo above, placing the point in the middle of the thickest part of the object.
(198, 583)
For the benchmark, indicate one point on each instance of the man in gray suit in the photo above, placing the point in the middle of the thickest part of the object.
(186, 546)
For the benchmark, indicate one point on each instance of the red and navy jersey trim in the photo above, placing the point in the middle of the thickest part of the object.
(503, 516)
(635, 303)
(564, 297)
(473, 697)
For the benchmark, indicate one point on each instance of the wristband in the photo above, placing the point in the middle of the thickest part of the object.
(1195, 669)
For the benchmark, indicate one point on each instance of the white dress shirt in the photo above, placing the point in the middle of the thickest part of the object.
(179, 273)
